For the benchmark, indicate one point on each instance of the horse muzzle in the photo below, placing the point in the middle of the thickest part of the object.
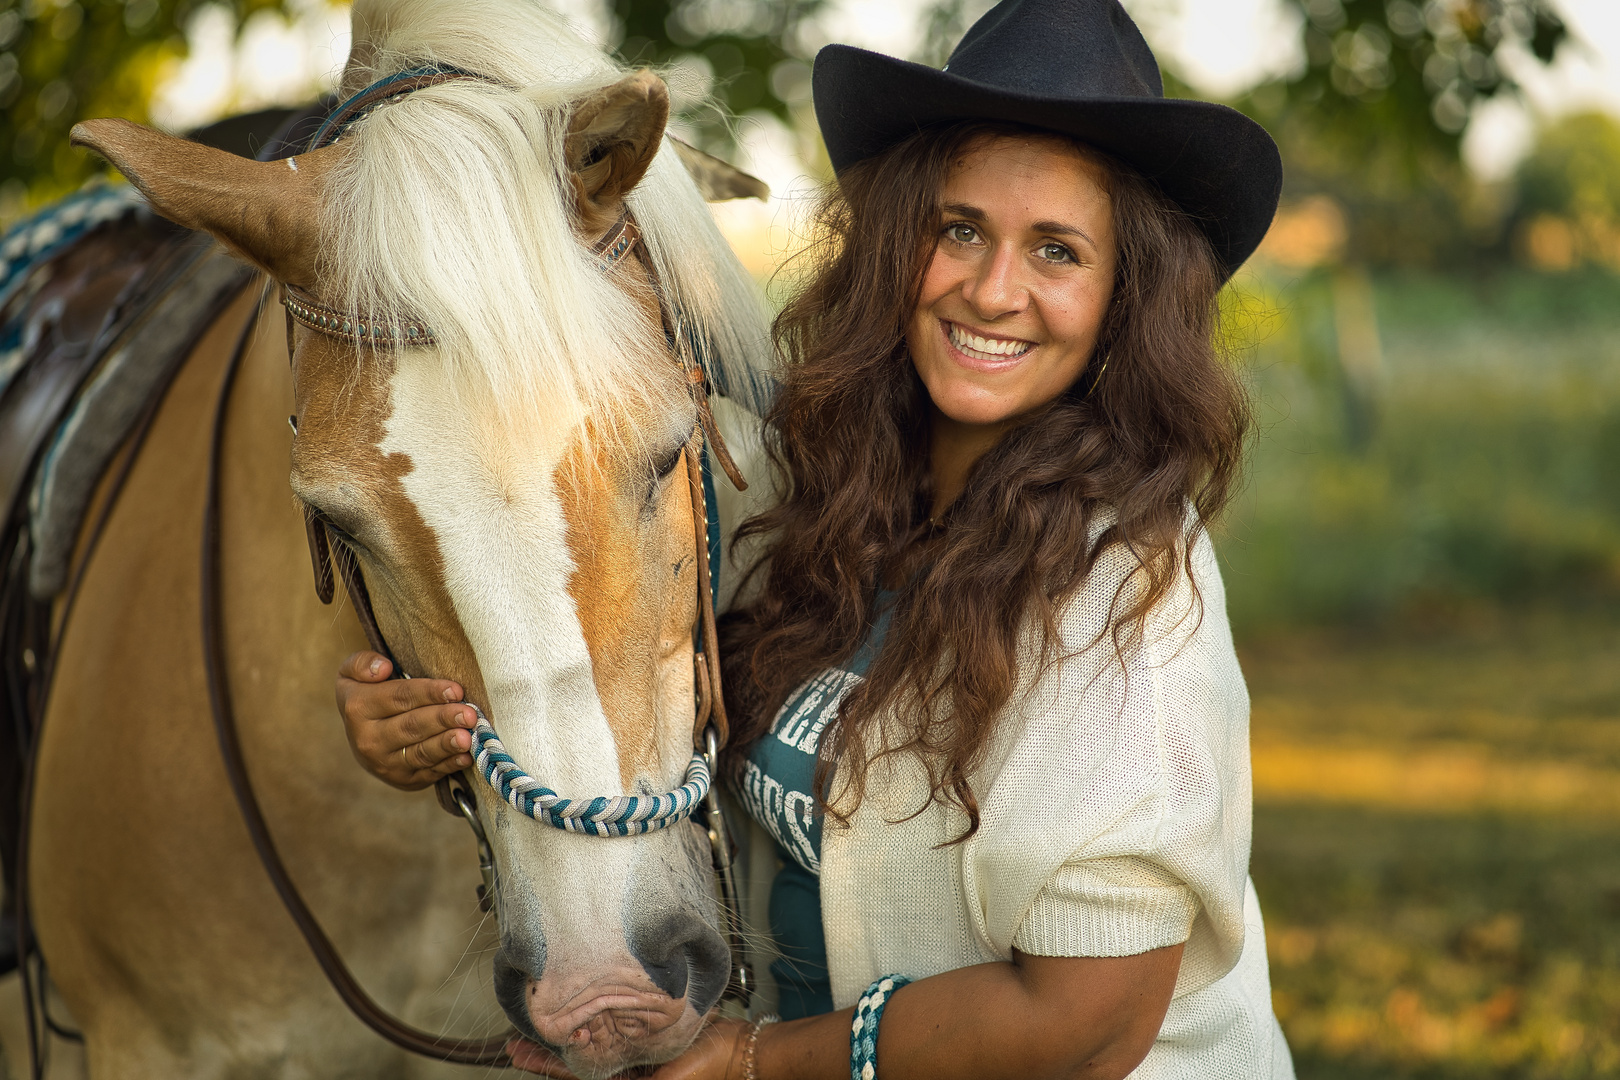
(612, 1025)
(643, 1010)
(611, 1018)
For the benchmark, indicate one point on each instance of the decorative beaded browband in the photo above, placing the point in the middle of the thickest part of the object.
(305, 310)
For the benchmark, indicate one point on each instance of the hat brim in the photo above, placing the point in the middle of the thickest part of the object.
(1218, 165)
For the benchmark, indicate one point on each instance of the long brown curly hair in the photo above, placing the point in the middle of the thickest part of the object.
(1156, 420)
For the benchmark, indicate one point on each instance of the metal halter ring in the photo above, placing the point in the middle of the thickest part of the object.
(486, 856)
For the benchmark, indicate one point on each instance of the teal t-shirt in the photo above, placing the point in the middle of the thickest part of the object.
(778, 786)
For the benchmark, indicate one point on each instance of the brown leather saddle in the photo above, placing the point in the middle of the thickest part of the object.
(100, 303)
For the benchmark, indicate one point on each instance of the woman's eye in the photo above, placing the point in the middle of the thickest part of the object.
(961, 233)
(1056, 253)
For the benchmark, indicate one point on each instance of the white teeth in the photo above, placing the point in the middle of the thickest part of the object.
(987, 348)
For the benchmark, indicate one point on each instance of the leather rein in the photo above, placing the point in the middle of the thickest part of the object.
(455, 795)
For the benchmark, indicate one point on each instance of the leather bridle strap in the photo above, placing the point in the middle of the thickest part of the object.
(360, 105)
(462, 1051)
(711, 728)
(711, 702)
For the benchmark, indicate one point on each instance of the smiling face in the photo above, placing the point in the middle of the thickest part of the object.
(1014, 296)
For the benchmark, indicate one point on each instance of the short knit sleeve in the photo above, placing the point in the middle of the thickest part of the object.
(1107, 907)
(1116, 821)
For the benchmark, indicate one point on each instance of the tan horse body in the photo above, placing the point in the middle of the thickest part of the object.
(515, 498)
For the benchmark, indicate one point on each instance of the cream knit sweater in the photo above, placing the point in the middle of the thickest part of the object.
(1115, 819)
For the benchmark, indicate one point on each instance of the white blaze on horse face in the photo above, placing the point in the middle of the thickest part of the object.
(573, 908)
(487, 491)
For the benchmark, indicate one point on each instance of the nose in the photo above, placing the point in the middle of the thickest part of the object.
(683, 957)
(994, 289)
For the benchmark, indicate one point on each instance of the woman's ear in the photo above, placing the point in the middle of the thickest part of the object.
(269, 212)
(613, 136)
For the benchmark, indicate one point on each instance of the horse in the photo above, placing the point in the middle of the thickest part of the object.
(513, 485)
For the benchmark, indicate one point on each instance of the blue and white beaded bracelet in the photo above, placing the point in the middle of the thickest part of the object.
(863, 1033)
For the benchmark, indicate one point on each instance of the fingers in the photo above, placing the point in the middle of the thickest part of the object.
(711, 1057)
(366, 666)
(443, 725)
(402, 730)
(364, 700)
(392, 748)
(536, 1059)
(714, 1055)
(451, 747)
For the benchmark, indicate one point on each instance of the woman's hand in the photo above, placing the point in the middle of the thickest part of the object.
(402, 730)
(528, 1057)
(716, 1054)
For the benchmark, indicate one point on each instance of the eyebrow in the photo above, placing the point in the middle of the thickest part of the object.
(1049, 228)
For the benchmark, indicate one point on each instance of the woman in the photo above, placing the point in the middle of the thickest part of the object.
(985, 694)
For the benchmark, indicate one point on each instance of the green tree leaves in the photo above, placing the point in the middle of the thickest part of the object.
(1375, 117)
(64, 60)
(1569, 195)
(749, 48)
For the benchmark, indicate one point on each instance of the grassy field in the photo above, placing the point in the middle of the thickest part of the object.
(1424, 573)
(1437, 846)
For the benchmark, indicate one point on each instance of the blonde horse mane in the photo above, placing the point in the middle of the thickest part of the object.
(476, 168)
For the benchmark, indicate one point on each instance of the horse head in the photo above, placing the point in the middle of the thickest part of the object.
(516, 492)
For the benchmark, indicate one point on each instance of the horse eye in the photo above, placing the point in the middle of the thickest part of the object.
(666, 464)
(339, 533)
(342, 534)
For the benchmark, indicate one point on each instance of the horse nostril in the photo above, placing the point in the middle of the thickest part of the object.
(512, 989)
(663, 957)
(682, 955)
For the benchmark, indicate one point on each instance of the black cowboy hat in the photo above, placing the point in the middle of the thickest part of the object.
(1079, 67)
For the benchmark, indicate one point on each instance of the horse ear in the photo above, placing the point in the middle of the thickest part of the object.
(718, 180)
(613, 137)
(266, 211)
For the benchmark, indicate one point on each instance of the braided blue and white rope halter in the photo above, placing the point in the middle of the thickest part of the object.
(617, 815)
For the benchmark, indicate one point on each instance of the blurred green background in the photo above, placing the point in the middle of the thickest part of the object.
(1424, 566)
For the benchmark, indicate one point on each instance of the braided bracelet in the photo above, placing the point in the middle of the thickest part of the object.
(863, 1033)
(751, 1045)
